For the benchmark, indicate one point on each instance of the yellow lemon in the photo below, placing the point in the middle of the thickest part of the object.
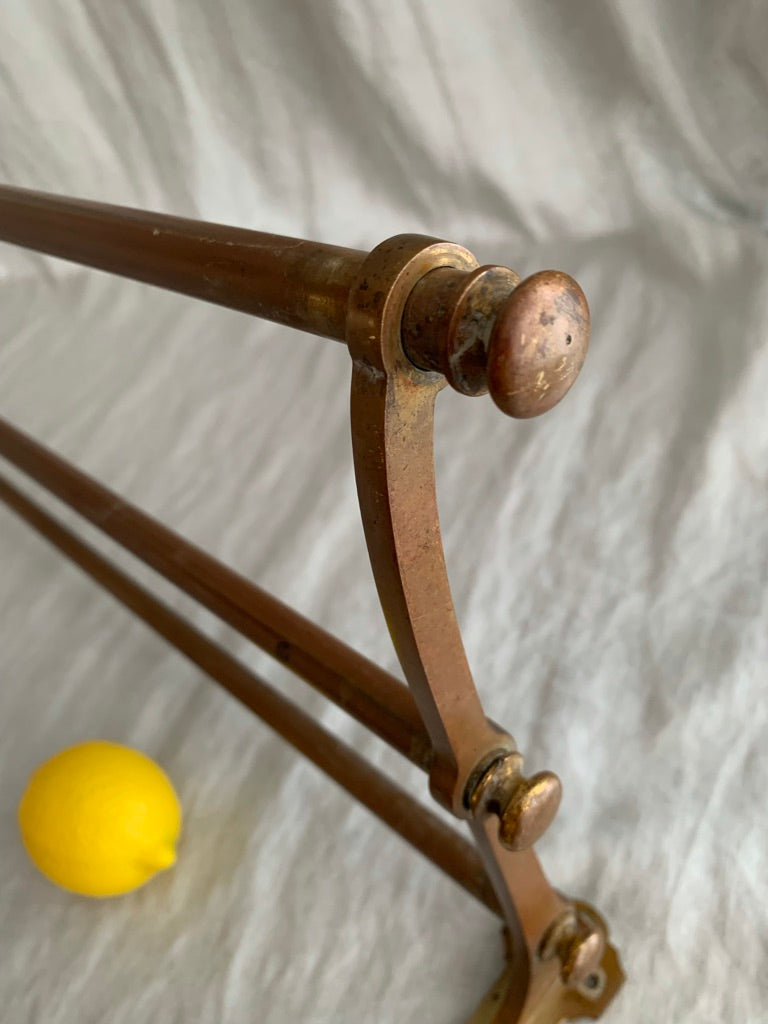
(100, 819)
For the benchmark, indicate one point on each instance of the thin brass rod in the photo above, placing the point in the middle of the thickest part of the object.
(441, 844)
(470, 325)
(287, 280)
(361, 688)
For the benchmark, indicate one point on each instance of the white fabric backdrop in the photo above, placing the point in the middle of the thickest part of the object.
(609, 561)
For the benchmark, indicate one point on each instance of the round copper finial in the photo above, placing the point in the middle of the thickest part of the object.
(530, 810)
(538, 344)
(578, 940)
(525, 807)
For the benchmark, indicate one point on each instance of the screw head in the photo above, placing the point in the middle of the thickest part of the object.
(582, 957)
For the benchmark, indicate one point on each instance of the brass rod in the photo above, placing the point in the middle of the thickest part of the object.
(441, 844)
(287, 280)
(470, 325)
(360, 687)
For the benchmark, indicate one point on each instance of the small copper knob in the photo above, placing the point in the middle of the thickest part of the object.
(581, 957)
(530, 811)
(578, 941)
(538, 344)
(485, 331)
(525, 807)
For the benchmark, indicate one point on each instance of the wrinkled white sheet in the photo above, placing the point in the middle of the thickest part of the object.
(609, 561)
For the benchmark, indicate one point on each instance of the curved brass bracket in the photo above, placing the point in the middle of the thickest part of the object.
(392, 434)
(392, 409)
(415, 313)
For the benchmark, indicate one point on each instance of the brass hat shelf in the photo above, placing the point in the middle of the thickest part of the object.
(416, 314)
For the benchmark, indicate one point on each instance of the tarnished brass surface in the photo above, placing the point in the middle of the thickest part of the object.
(288, 280)
(448, 321)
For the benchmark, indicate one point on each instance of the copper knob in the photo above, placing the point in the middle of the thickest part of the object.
(486, 331)
(538, 344)
(530, 810)
(525, 807)
(578, 941)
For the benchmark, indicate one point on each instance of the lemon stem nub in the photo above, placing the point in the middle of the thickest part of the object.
(160, 858)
